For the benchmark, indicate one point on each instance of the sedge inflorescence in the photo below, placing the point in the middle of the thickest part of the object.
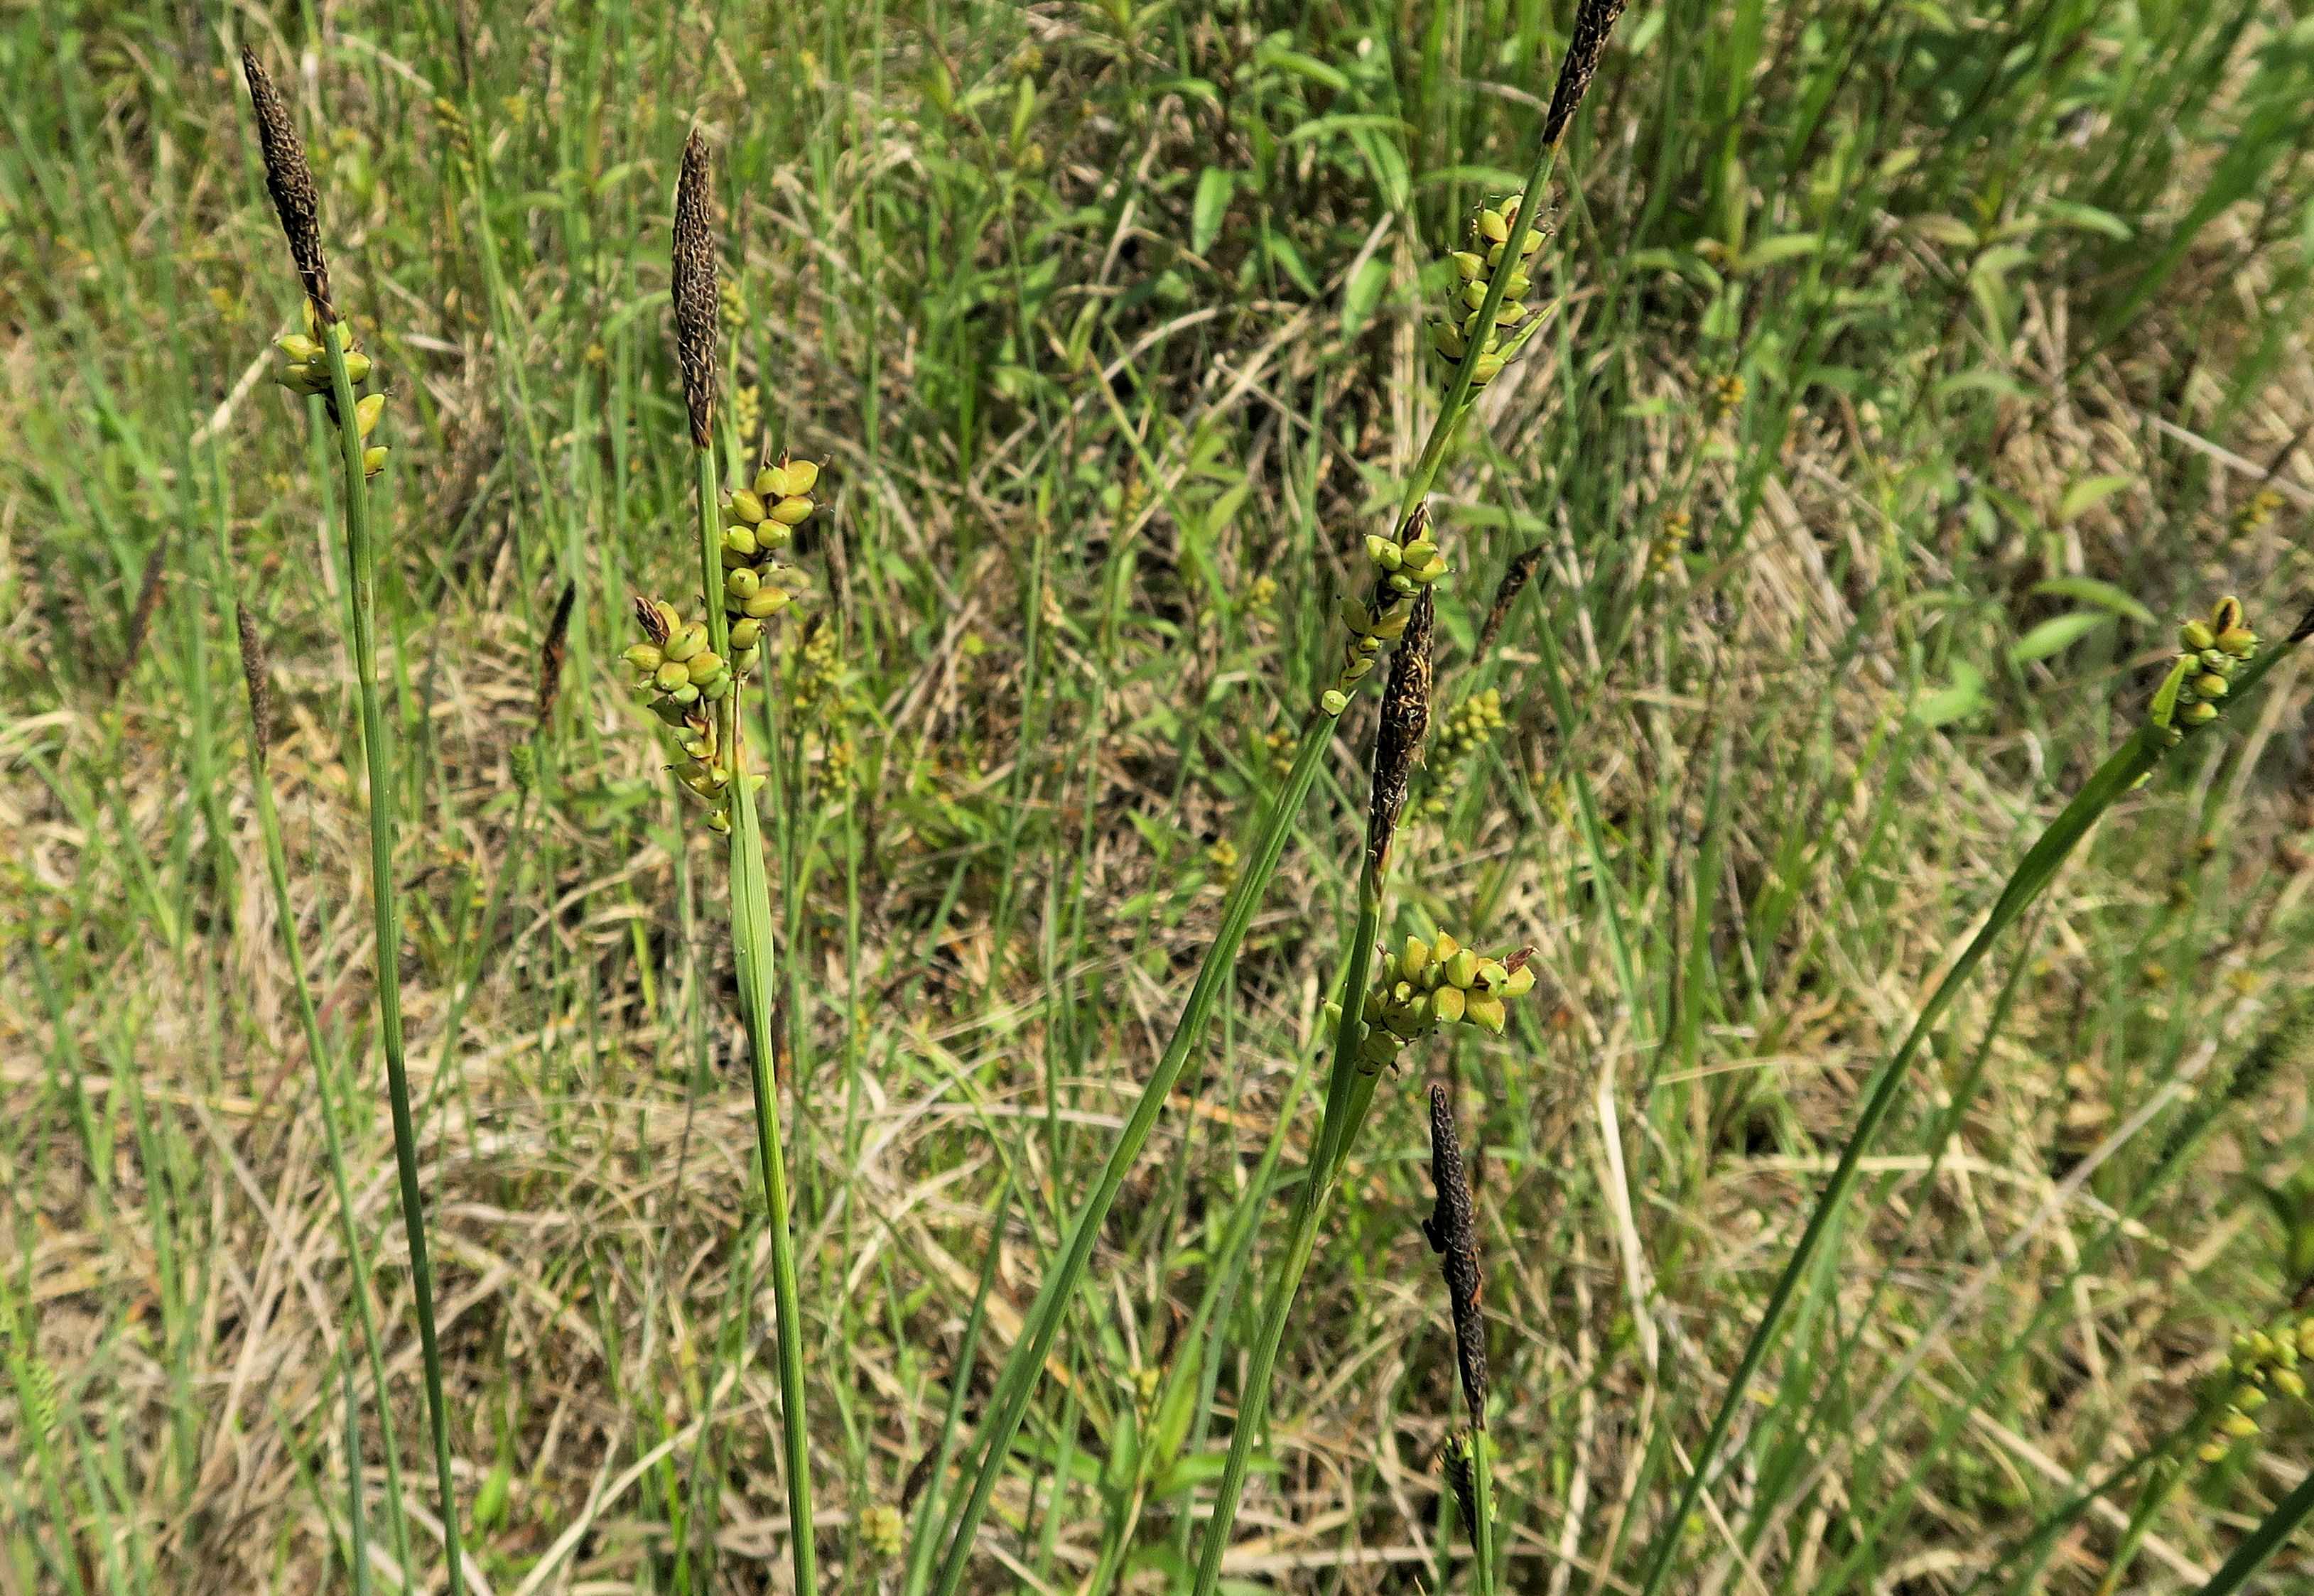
(305, 368)
(1404, 567)
(2214, 648)
(2263, 1365)
(760, 521)
(1474, 274)
(1434, 983)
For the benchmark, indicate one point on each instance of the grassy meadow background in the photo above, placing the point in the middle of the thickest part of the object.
(1917, 367)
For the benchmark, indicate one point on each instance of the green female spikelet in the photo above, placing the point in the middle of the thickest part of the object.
(2199, 679)
(760, 521)
(1474, 273)
(683, 679)
(1436, 983)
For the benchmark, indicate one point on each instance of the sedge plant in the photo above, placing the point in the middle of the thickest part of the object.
(696, 672)
(324, 363)
(1480, 343)
(2221, 658)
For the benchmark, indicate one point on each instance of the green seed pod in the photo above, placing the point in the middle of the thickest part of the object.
(767, 603)
(367, 411)
(1447, 340)
(2212, 685)
(373, 460)
(1356, 616)
(1492, 227)
(1517, 286)
(803, 476)
(2197, 636)
(717, 690)
(670, 675)
(1420, 552)
(1488, 368)
(1509, 313)
(741, 541)
(792, 511)
(2240, 641)
(1530, 244)
(745, 635)
(1474, 295)
(704, 668)
(1463, 969)
(2214, 1452)
(2249, 1400)
(1356, 670)
(746, 506)
(1486, 1012)
(1519, 983)
(742, 584)
(2198, 714)
(668, 711)
(1491, 974)
(772, 535)
(645, 658)
(1467, 265)
(357, 366)
(2239, 1425)
(686, 694)
(1449, 1004)
(301, 349)
(743, 660)
(2290, 1383)
(2218, 660)
(1381, 552)
(1333, 700)
(689, 641)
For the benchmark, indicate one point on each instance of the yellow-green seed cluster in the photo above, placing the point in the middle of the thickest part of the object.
(305, 368)
(2264, 1365)
(2261, 508)
(1437, 982)
(760, 520)
(1469, 726)
(683, 677)
(1474, 274)
(2214, 648)
(1401, 570)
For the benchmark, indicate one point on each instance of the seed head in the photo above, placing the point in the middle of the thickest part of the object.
(550, 657)
(694, 286)
(1593, 21)
(1520, 573)
(290, 182)
(1452, 1230)
(256, 674)
(1405, 717)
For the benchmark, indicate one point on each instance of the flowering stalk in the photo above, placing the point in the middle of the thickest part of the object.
(2219, 661)
(711, 657)
(327, 365)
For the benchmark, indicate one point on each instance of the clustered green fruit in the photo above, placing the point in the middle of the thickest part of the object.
(1474, 274)
(761, 520)
(2201, 675)
(1401, 569)
(1436, 983)
(2263, 1365)
(305, 368)
(683, 676)
(1469, 726)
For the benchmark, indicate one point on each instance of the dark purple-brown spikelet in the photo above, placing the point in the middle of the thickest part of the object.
(550, 657)
(2303, 629)
(140, 620)
(1514, 583)
(1453, 1232)
(290, 182)
(1405, 717)
(257, 675)
(694, 286)
(1593, 21)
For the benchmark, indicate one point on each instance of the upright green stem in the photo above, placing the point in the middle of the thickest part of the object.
(2033, 875)
(277, 871)
(1483, 1511)
(361, 569)
(1017, 1382)
(751, 948)
(1345, 1103)
(2266, 1540)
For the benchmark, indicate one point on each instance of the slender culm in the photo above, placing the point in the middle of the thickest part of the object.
(1593, 21)
(694, 287)
(290, 182)
(551, 653)
(1520, 573)
(257, 672)
(1451, 1229)
(1397, 740)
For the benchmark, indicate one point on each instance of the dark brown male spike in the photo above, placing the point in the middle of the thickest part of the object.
(1593, 21)
(290, 182)
(694, 286)
(1452, 1230)
(1405, 717)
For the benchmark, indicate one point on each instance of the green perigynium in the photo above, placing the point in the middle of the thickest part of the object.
(683, 679)
(2200, 678)
(761, 520)
(2263, 1365)
(1474, 272)
(1434, 983)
